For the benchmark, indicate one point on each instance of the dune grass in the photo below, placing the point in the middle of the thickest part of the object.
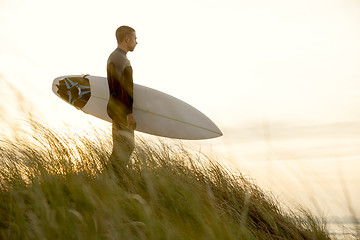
(57, 186)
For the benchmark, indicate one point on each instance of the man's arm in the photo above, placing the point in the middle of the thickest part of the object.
(131, 121)
(129, 89)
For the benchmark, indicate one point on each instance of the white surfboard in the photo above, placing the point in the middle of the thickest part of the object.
(155, 112)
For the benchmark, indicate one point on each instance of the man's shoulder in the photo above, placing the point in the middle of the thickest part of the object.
(118, 57)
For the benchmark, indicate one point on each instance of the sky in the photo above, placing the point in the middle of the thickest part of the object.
(280, 78)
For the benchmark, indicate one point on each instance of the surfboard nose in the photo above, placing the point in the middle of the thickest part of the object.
(219, 132)
(213, 129)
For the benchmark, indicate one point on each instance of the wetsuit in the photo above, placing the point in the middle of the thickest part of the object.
(119, 75)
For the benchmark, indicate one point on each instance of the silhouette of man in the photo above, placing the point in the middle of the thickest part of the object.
(119, 108)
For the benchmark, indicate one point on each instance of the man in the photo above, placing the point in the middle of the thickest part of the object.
(119, 75)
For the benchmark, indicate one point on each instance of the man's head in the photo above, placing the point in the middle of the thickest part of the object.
(126, 38)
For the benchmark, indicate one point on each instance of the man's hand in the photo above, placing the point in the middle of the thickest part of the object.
(131, 121)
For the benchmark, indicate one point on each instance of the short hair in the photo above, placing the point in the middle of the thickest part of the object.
(122, 32)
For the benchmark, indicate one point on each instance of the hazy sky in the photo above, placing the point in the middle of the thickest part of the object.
(234, 60)
(248, 65)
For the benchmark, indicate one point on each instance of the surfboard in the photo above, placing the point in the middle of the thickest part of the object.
(155, 112)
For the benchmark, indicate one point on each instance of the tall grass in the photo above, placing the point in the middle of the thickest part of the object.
(57, 186)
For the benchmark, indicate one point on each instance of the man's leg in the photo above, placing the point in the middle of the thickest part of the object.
(123, 145)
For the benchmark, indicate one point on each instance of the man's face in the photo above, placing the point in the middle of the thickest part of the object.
(132, 42)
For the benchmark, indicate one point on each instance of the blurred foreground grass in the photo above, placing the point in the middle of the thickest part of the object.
(54, 186)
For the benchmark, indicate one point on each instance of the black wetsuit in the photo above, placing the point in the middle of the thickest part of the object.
(119, 75)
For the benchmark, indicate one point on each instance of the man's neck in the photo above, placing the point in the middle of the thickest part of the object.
(124, 48)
